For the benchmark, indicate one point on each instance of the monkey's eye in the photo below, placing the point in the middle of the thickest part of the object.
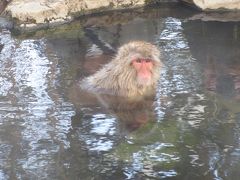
(138, 60)
(147, 60)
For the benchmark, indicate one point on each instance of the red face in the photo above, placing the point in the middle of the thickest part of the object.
(144, 70)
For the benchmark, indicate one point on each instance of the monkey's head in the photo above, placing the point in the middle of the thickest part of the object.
(143, 62)
(133, 72)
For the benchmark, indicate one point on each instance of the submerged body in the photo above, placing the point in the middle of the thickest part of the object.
(133, 72)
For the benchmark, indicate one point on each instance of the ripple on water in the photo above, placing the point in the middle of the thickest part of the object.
(28, 100)
(99, 132)
(150, 161)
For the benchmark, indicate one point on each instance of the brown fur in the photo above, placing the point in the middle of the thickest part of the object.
(119, 78)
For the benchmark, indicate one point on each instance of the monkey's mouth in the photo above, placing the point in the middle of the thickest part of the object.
(144, 81)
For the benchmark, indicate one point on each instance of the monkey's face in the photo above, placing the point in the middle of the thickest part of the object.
(143, 69)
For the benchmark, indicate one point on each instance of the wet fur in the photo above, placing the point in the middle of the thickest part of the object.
(119, 77)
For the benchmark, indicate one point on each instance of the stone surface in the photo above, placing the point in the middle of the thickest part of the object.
(30, 13)
(41, 11)
(215, 4)
(36, 12)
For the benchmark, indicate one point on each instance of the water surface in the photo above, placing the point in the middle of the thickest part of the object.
(50, 129)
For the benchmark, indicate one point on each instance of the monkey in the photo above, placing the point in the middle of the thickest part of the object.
(115, 89)
(133, 72)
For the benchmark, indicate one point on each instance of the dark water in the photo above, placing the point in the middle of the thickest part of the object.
(49, 129)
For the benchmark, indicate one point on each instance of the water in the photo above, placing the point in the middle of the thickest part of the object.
(50, 129)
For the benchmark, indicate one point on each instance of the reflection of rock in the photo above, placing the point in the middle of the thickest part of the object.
(215, 45)
(213, 16)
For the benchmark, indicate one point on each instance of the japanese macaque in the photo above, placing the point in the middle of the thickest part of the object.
(133, 72)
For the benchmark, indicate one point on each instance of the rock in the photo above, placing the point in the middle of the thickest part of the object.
(41, 11)
(215, 4)
(31, 13)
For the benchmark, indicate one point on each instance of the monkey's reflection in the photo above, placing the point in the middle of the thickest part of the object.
(130, 114)
(124, 87)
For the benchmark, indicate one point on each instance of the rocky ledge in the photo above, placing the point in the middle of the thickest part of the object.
(29, 13)
(32, 13)
(207, 5)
